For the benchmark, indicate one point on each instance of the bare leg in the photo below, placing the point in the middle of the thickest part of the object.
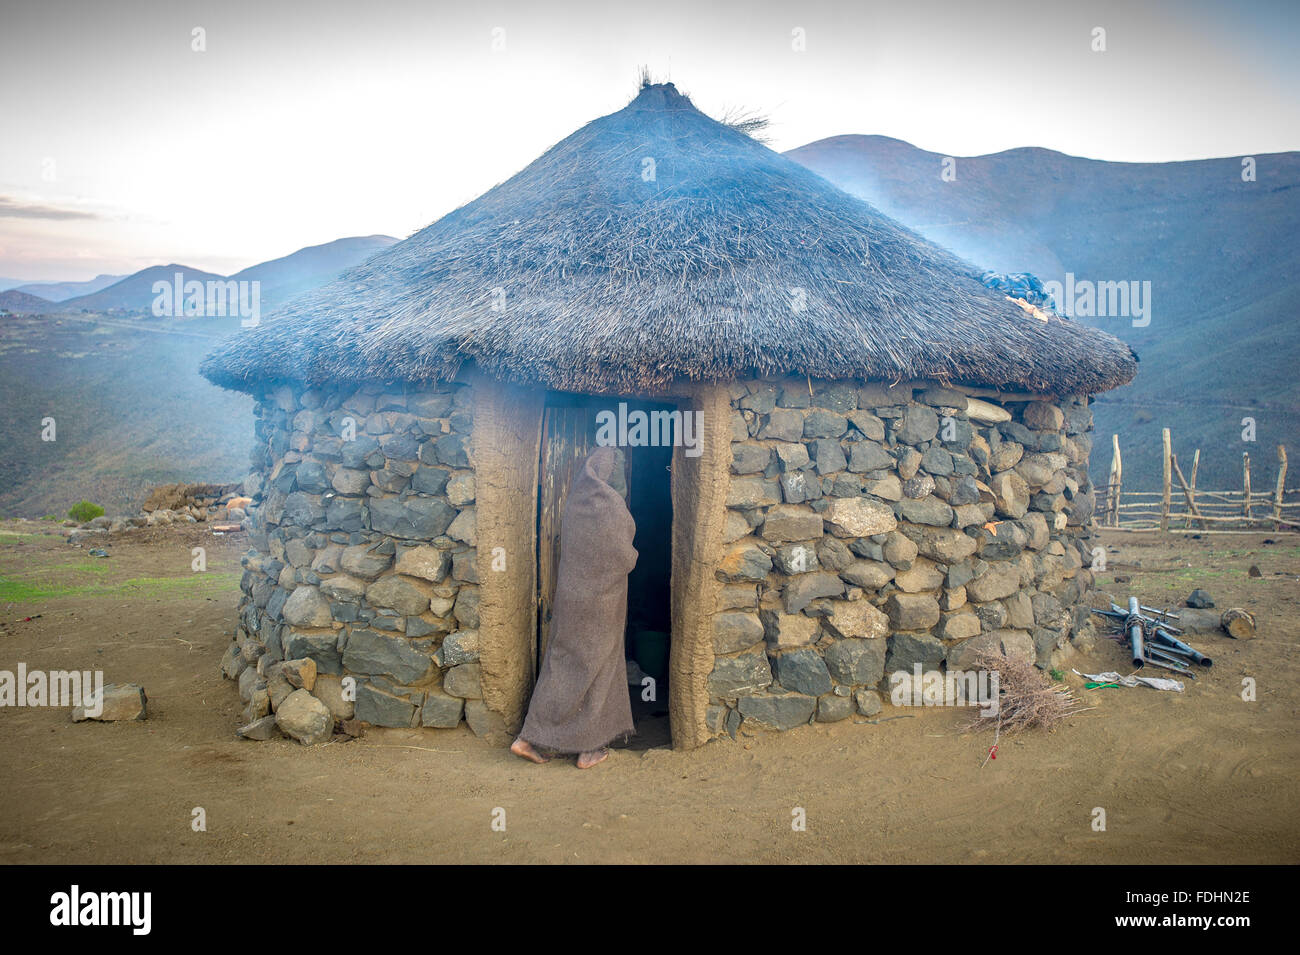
(592, 757)
(521, 747)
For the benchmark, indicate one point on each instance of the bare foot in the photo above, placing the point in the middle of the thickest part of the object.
(592, 757)
(522, 747)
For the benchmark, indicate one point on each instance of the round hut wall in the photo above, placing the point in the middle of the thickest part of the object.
(828, 535)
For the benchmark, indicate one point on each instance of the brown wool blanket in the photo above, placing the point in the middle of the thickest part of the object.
(581, 699)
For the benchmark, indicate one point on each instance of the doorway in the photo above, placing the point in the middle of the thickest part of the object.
(570, 424)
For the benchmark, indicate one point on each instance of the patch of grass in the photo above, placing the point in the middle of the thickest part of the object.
(200, 585)
(1056, 674)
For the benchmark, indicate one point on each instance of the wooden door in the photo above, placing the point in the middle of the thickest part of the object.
(568, 436)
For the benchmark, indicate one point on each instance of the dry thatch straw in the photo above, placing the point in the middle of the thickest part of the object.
(657, 244)
(1028, 699)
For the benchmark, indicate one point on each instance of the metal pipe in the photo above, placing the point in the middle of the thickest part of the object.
(1134, 624)
(1160, 635)
(1164, 665)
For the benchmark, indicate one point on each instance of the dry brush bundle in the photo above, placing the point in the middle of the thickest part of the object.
(1027, 700)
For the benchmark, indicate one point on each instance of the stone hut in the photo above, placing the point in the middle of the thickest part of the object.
(845, 455)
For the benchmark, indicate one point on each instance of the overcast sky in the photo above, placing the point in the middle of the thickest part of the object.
(123, 147)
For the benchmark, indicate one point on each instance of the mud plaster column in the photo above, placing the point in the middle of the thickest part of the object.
(507, 438)
(699, 493)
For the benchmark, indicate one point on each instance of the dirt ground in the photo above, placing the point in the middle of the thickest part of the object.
(1201, 776)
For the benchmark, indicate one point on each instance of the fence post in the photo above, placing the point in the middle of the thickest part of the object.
(1245, 483)
(1116, 481)
(1281, 483)
(1164, 498)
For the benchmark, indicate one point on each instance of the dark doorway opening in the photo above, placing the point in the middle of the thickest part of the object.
(570, 427)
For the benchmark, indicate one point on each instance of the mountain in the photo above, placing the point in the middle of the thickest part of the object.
(10, 283)
(62, 291)
(1219, 342)
(132, 409)
(20, 303)
(135, 292)
(291, 275)
(281, 279)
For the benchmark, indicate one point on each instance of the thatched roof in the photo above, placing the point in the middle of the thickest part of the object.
(656, 243)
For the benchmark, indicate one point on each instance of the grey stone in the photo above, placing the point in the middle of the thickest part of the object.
(749, 458)
(778, 712)
(937, 461)
(399, 593)
(824, 424)
(869, 456)
(415, 518)
(745, 562)
(733, 632)
(485, 723)
(918, 486)
(363, 561)
(832, 708)
(1000, 579)
(919, 423)
(261, 729)
(855, 661)
(929, 510)
(321, 647)
(459, 647)
(739, 676)
(441, 710)
(829, 456)
(788, 629)
(465, 681)
(907, 649)
(430, 480)
(868, 702)
(782, 425)
(747, 492)
(380, 708)
(1014, 644)
(868, 574)
(804, 589)
(371, 652)
(791, 522)
(465, 527)
(115, 702)
(423, 561)
(912, 611)
(307, 607)
(860, 517)
(802, 671)
(304, 718)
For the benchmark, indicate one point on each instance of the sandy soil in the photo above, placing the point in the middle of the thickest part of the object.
(1197, 777)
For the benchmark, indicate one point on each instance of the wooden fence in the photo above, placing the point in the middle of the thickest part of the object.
(1180, 504)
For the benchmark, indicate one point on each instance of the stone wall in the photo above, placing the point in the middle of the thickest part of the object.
(363, 556)
(872, 527)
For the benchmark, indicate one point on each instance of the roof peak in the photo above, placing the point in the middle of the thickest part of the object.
(661, 96)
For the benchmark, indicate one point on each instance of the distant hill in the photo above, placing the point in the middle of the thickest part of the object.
(281, 279)
(131, 407)
(62, 291)
(12, 300)
(135, 292)
(291, 275)
(1222, 256)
